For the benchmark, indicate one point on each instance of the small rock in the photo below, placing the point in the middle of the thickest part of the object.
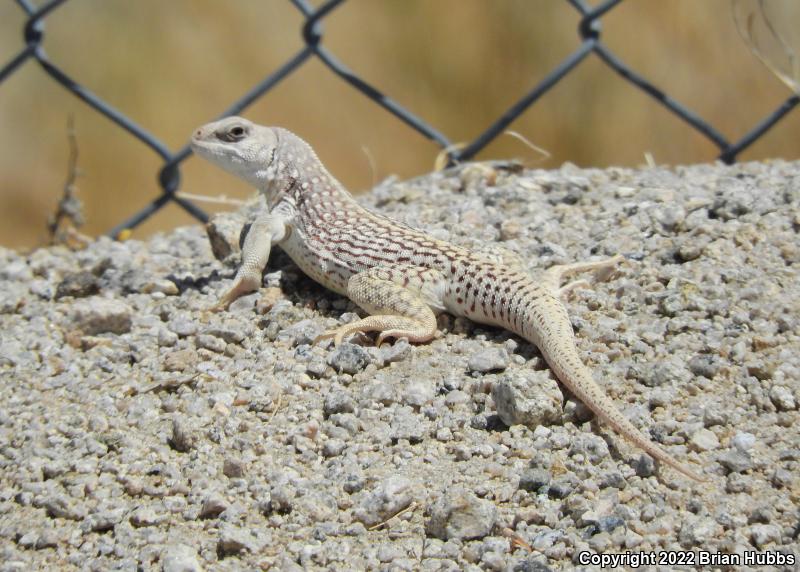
(183, 438)
(406, 425)
(167, 338)
(316, 367)
(348, 358)
(338, 402)
(698, 532)
(563, 487)
(714, 416)
(209, 342)
(704, 440)
(389, 497)
(645, 466)
(670, 370)
(78, 285)
(460, 514)
(213, 506)
(229, 334)
(224, 230)
(782, 397)
(692, 248)
(735, 461)
(510, 229)
(489, 359)
(418, 392)
(49, 538)
(704, 365)
(60, 507)
(180, 558)
(233, 468)
(609, 523)
(234, 540)
(763, 534)
(300, 333)
(28, 540)
(180, 360)
(530, 400)
(102, 315)
(534, 479)
(269, 297)
(103, 520)
(182, 326)
(398, 351)
(144, 516)
(743, 441)
(333, 447)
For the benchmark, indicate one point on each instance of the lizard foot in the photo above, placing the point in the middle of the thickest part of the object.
(243, 285)
(388, 326)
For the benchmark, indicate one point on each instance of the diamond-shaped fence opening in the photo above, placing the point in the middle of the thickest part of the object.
(589, 33)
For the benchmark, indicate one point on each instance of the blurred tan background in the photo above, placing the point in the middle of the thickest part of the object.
(458, 64)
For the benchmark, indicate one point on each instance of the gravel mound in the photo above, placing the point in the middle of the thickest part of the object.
(140, 431)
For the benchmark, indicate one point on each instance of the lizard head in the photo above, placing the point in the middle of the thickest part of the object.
(240, 147)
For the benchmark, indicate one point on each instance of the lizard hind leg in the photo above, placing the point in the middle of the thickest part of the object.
(555, 274)
(399, 300)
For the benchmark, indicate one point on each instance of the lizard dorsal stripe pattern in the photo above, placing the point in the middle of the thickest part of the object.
(400, 276)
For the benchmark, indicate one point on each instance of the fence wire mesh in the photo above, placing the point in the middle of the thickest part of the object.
(589, 42)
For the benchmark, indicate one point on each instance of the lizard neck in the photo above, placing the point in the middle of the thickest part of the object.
(295, 175)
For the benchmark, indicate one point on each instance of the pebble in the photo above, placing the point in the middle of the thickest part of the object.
(209, 342)
(764, 534)
(396, 352)
(388, 498)
(214, 505)
(96, 315)
(743, 441)
(233, 468)
(489, 359)
(78, 285)
(224, 230)
(338, 402)
(534, 479)
(704, 440)
(531, 399)
(180, 558)
(182, 326)
(349, 358)
(459, 514)
(145, 516)
(233, 540)
(736, 461)
(782, 398)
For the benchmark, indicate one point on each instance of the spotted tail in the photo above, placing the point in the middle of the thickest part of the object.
(542, 319)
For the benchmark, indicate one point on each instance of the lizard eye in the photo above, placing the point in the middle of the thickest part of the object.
(235, 133)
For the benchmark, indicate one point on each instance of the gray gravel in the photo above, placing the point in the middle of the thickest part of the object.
(139, 431)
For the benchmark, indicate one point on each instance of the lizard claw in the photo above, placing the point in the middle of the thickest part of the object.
(382, 338)
(337, 335)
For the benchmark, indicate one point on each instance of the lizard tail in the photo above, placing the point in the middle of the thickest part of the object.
(547, 325)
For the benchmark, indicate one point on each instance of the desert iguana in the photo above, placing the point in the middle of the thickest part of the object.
(399, 275)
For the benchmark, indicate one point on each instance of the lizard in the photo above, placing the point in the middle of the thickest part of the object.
(399, 275)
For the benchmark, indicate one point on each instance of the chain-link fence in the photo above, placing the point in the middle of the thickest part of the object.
(589, 42)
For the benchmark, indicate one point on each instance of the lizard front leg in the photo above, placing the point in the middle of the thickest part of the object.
(399, 299)
(267, 230)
